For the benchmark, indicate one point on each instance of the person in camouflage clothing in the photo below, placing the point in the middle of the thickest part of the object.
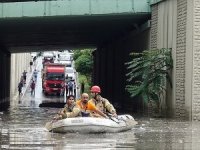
(101, 103)
(70, 109)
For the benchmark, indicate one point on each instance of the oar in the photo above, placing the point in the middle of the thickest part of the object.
(113, 118)
(48, 125)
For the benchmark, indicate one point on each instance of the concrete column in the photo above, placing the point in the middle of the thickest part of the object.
(180, 59)
(154, 26)
(96, 76)
(102, 70)
(189, 70)
(1, 74)
(110, 74)
(112, 71)
(172, 36)
(119, 80)
(5, 78)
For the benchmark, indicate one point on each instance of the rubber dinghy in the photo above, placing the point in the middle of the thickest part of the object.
(92, 125)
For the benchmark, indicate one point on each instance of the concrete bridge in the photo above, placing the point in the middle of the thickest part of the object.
(114, 28)
(52, 25)
(69, 23)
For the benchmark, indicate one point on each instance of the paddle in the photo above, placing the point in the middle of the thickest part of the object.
(48, 126)
(113, 118)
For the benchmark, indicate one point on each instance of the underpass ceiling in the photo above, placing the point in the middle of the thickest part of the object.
(34, 34)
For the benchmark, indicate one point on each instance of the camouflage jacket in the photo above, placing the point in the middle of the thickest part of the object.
(103, 105)
(71, 111)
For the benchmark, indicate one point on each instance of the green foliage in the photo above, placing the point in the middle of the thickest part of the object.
(149, 73)
(84, 63)
(78, 53)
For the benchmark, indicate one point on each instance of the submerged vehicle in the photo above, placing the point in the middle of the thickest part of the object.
(92, 124)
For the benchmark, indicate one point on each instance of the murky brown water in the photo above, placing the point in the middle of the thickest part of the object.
(23, 128)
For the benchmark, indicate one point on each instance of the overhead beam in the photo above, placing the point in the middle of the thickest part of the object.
(72, 7)
(152, 2)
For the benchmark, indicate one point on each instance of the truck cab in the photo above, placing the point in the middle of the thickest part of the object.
(53, 79)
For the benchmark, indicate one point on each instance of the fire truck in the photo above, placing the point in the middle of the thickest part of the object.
(53, 79)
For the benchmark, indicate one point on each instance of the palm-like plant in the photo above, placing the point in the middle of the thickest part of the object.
(149, 73)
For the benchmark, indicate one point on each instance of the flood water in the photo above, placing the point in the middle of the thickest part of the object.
(22, 127)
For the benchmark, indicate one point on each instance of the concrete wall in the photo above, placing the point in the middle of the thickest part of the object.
(195, 54)
(166, 35)
(19, 63)
(11, 68)
(180, 72)
(110, 68)
(177, 26)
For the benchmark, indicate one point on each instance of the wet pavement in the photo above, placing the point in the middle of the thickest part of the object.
(22, 127)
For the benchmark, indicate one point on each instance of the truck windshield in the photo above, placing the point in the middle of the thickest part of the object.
(55, 76)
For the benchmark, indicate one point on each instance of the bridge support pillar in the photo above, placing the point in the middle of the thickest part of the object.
(110, 70)
(5, 78)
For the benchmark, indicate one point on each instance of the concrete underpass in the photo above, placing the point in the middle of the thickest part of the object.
(113, 31)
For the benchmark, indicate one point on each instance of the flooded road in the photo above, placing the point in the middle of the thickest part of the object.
(22, 127)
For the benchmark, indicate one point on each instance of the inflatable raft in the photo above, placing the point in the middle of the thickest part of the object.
(92, 125)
